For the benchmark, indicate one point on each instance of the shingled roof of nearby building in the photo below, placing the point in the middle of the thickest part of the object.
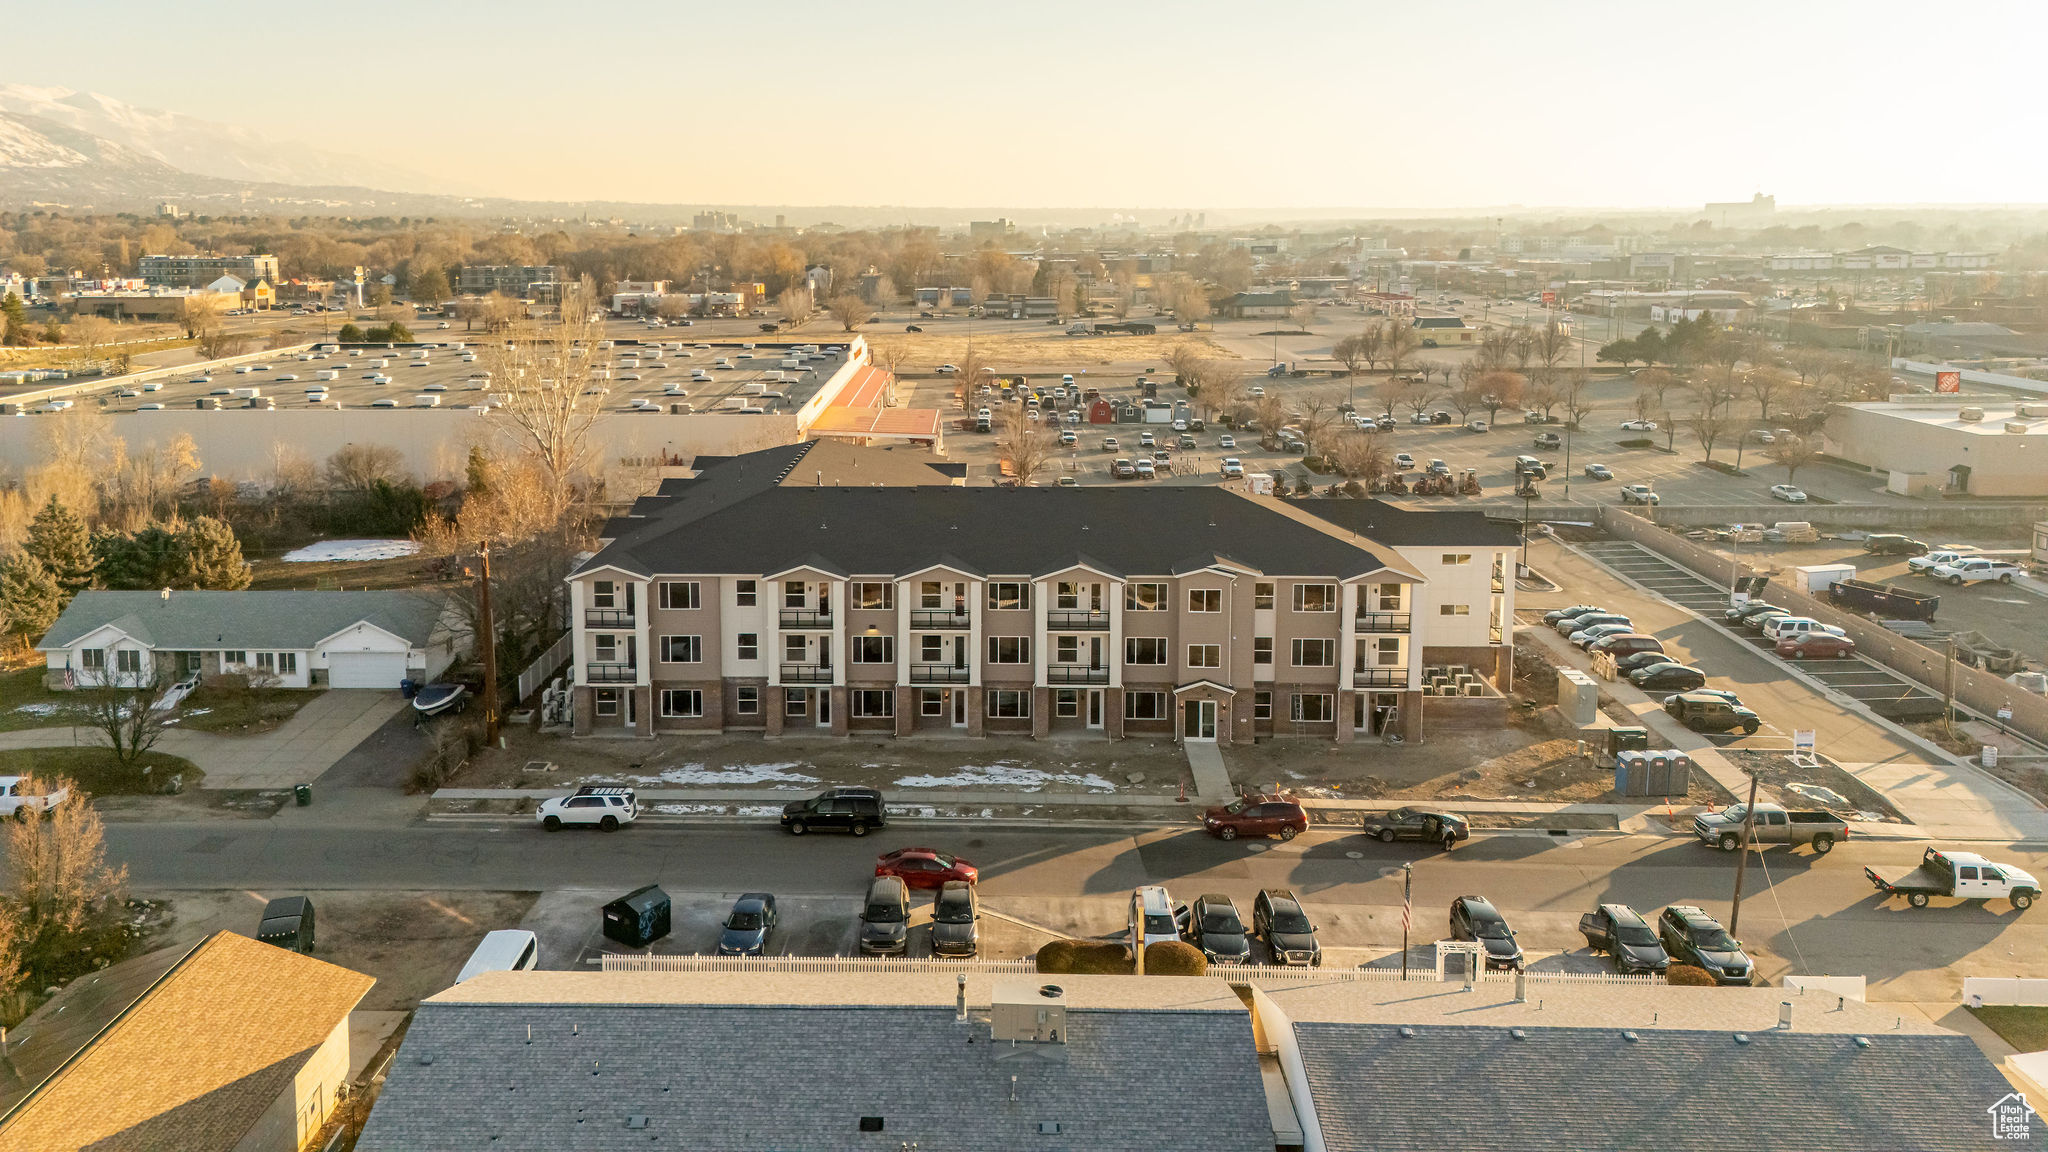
(1402, 527)
(252, 618)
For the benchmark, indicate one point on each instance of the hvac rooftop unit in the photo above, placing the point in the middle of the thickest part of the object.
(1028, 1012)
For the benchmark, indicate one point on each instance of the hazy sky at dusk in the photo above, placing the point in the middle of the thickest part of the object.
(1195, 104)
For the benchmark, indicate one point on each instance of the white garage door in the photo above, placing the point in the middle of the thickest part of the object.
(365, 669)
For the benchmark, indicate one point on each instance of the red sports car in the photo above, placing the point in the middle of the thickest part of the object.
(924, 867)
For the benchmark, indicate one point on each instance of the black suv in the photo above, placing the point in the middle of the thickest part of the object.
(1475, 918)
(954, 912)
(1215, 928)
(851, 809)
(885, 918)
(1887, 544)
(1693, 937)
(1280, 920)
(1621, 932)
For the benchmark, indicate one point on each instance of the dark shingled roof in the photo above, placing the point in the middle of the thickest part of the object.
(1403, 527)
(788, 1077)
(1453, 1089)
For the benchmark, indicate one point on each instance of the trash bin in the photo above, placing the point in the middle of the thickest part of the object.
(1621, 740)
(638, 918)
(303, 793)
(408, 688)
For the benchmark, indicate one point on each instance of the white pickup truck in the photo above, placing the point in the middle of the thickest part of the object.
(1928, 561)
(17, 804)
(1963, 875)
(1976, 570)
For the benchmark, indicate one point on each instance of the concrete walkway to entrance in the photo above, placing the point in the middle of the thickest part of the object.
(298, 751)
(1205, 762)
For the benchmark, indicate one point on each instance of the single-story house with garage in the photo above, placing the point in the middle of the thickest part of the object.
(298, 639)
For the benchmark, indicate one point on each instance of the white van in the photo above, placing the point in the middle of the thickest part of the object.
(1151, 920)
(505, 950)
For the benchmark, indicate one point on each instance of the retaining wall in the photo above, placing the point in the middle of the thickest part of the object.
(2015, 518)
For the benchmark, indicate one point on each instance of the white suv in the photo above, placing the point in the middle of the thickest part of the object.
(1975, 570)
(1786, 627)
(604, 806)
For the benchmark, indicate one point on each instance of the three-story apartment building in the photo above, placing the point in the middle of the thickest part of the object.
(761, 595)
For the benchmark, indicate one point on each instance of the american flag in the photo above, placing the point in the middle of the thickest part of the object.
(1407, 904)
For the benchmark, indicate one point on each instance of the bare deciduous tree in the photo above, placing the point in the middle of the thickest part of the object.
(1348, 353)
(851, 311)
(62, 895)
(1793, 453)
(798, 306)
(121, 706)
(1500, 389)
(1578, 403)
(1182, 357)
(1303, 314)
(1765, 383)
(1710, 426)
(1271, 412)
(1223, 387)
(1358, 456)
(1372, 345)
(359, 467)
(545, 371)
(1401, 342)
(1027, 445)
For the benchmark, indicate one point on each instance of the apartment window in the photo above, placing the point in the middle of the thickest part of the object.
(128, 660)
(1315, 597)
(604, 594)
(287, 663)
(1144, 649)
(1067, 650)
(873, 704)
(1262, 594)
(231, 656)
(1144, 705)
(1067, 595)
(874, 594)
(792, 593)
(1313, 707)
(1009, 594)
(931, 594)
(265, 661)
(682, 649)
(1205, 600)
(607, 647)
(793, 702)
(95, 659)
(1315, 653)
(1390, 597)
(1262, 649)
(746, 701)
(931, 649)
(679, 594)
(1066, 703)
(1453, 559)
(749, 646)
(1205, 655)
(1008, 704)
(1454, 609)
(874, 649)
(1144, 597)
(607, 701)
(1388, 652)
(1262, 705)
(793, 649)
(931, 702)
(681, 702)
(1009, 650)
(744, 594)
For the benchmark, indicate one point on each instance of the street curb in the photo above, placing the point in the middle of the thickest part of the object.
(710, 821)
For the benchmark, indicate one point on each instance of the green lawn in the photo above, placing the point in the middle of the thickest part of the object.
(237, 712)
(23, 689)
(96, 770)
(2023, 1027)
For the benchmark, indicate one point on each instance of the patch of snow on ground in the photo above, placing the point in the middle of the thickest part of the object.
(39, 709)
(672, 809)
(330, 550)
(781, 775)
(1003, 775)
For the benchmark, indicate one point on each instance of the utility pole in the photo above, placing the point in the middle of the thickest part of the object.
(1742, 863)
(489, 629)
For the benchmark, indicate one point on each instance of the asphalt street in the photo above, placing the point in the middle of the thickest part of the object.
(1804, 913)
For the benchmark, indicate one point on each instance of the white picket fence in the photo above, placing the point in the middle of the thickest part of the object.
(544, 666)
(1263, 974)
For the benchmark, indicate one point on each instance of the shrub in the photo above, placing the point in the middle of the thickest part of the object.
(1689, 976)
(1175, 958)
(1638, 442)
(1084, 957)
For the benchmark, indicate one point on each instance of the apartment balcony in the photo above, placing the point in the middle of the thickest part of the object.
(806, 673)
(1379, 678)
(1076, 674)
(806, 619)
(1385, 622)
(941, 620)
(608, 618)
(1073, 621)
(937, 674)
(609, 673)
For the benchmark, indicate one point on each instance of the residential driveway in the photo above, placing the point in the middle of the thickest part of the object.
(305, 746)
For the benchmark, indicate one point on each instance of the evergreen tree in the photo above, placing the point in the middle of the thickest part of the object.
(29, 597)
(62, 542)
(152, 558)
(213, 557)
(15, 332)
(477, 481)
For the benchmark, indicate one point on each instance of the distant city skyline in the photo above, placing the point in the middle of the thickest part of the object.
(1288, 105)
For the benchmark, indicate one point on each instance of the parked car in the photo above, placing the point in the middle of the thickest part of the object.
(1638, 425)
(1889, 544)
(1788, 494)
(1785, 627)
(1774, 824)
(1548, 440)
(1635, 660)
(1215, 927)
(851, 808)
(1693, 937)
(1639, 494)
(1626, 644)
(1123, 470)
(16, 803)
(1963, 875)
(1147, 440)
(925, 867)
(1668, 676)
(1569, 624)
(885, 918)
(1927, 562)
(948, 369)
(1403, 462)
(1743, 613)
(1599, 472)
(1433, 825)
(1816, 646)
(1232, 468)
(1147, 469)
(748, 927)
(1290, 936)
(1976, 570)
(1475, 918)
(1227, 443)
(593, 805)
(1151, 919)
(1707, 712)
(1109, 444)
(1622, 933)
(1256, 815)
(1555, 614)
(1586, 637)
(288, 922)
(956, 913)
(1763, 620)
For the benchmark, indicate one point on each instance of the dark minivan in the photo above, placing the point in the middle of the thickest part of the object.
(848, 809)
(288, 923)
